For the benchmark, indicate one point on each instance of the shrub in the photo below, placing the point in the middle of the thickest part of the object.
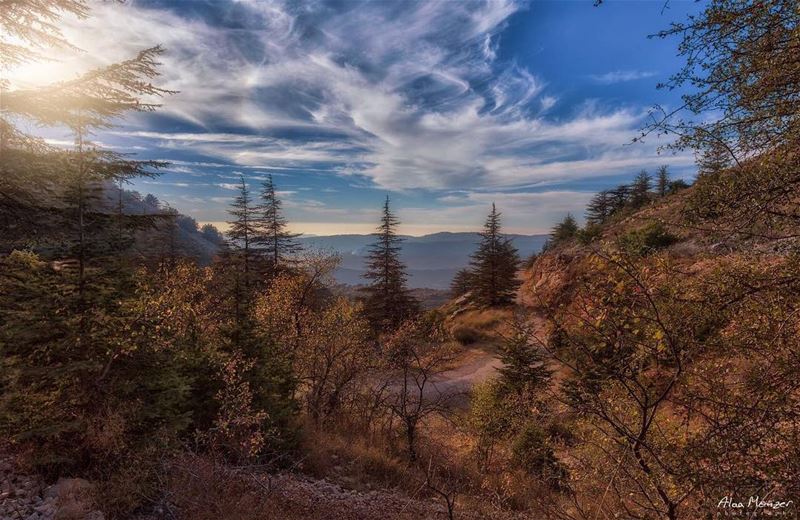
(466, 335)
(561, 431)
(647, 240)
(589, 234)
(490, 418)
(532, 452)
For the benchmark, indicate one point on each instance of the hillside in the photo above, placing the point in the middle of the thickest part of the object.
(179, 235)
(664, 327)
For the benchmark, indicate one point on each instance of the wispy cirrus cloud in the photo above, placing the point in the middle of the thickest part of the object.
(397, 96)
(621, 76)
(407, 95)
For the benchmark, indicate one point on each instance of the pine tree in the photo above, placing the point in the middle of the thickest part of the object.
(212, 234)
(461, 283)
(152, 200)
(640, 189)
(524, 367)
(714, 158)
(244, 230)
(29, 26)
(269, 375)
(387, 300)
(75, 208)
(677, 185)
(599, 208)
(564, 230)
(620, 197)
(662, 180)
(277, 242)
(494, 265)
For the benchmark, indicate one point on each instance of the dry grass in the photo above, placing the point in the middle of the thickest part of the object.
(202, 488)
(486, 324)
(354, 460)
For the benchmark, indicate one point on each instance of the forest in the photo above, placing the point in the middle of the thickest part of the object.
(644, 365)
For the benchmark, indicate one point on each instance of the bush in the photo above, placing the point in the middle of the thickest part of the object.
(561, 431)
(490, 418)
(466, 335)
(532, 452)
(647, 240)
(589, 234)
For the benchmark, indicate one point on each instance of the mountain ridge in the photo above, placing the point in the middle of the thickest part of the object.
(431, 260)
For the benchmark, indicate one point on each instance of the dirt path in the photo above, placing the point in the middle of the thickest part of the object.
(475, 366)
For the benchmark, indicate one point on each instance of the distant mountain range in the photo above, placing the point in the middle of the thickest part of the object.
(432, 260)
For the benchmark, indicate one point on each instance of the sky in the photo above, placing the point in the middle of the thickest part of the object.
(446, 107)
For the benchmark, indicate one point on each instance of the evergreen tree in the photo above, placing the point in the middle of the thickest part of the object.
(599, 208)
(640, 189)
(68, 356)
(564, 230)
(152, 200)
(620, 196)
(677, 185)
(524, 367)
(494, 265)
(277, 242)
(270, 378)
(29, 27)
(212, 234)
(73, 207)
(714, 158)
(34, 175)
(387, 300)
(662, 180)
(244, 230)
(461, 283)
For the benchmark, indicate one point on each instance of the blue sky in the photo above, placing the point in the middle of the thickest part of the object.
(445, 106)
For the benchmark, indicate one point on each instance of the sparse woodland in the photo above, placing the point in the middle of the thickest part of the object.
(648, 362)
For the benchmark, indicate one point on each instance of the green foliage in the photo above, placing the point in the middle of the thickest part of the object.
(589, 233)
(490, 418)
(647, 240)
(265, 368)
(524, 370)
(462, 283)
(387, 301)
(71, 377)
(564, 230)
(532, 451)
(494, 265)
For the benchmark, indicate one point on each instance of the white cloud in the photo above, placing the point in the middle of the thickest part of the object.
(620, 76)
(404, 95)
(162, 183)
